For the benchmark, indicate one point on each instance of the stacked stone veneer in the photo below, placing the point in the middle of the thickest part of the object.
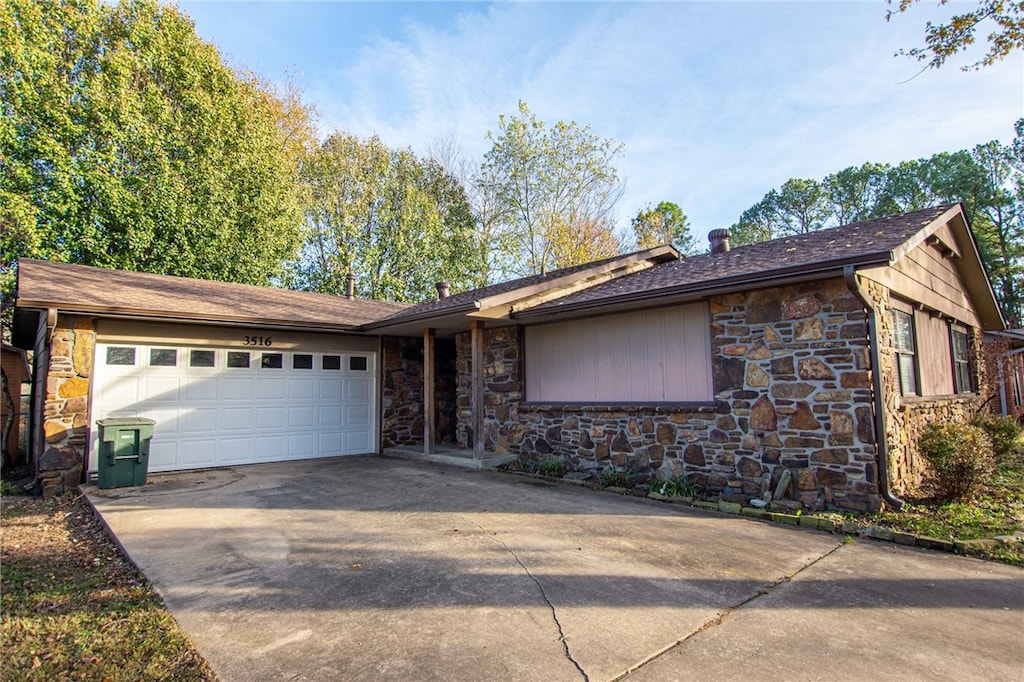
(792, 392)
(906, 417)
(66, 411)
(402, 391)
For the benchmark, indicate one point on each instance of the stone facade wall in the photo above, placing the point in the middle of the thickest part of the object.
(66, 409)
(792, 392)
(906, 417)
(502, 374)
(402, 391)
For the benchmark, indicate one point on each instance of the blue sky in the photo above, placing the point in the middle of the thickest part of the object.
(716, 103)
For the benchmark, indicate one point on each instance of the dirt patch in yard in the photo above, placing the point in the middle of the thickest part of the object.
(74, 607)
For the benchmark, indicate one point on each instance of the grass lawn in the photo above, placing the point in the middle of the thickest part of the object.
(997, 510)
(75, 608)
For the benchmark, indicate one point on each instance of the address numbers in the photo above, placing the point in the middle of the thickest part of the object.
(258, 341)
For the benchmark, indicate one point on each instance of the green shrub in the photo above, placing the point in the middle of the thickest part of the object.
(1006, 435)
(612, 477)
(551, 467)
(675, 487)
(960, 457)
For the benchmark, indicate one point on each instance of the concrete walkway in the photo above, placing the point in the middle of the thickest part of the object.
(381, 569)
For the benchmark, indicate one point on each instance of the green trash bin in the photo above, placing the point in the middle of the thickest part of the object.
(124, 451)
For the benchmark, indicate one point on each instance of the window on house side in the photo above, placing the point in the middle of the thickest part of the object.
(906, 350)
(962, 376)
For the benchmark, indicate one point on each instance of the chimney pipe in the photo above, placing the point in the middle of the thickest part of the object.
(719, 240)
(351, 279)
(443, 289)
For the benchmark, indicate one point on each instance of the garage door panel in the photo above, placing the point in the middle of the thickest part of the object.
(161, 389)
(237, 419)
(357, 441)
(357, 415)
(197, 453)
(301, 417)
(270, 448)
(211, 410)
(234, 450)
(302, 389)
(357, 389)
(197, 420)
(240, 388)
(330, 389)
(270, 418)
(272, 389)
(198, 389)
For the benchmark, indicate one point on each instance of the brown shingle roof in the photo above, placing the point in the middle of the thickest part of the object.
(80, 288)
(857, 243)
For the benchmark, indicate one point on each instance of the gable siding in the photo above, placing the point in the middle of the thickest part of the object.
(660, 355)
(928, 277)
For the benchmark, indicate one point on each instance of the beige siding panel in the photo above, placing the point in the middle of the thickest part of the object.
(933, 354)
(661, 355)
(170, 334)
(908, 286)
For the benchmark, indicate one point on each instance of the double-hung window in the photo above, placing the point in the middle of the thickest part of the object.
(963, 380)
(906, 350)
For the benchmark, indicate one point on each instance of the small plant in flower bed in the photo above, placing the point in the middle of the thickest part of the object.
(551, 467)
(613, 477)
(674, 487)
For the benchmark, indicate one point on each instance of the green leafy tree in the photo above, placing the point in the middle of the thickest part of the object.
(664, 224)
(1004, 18)
(988, 180)
(125, 142)
(398, 222)
(538, 180)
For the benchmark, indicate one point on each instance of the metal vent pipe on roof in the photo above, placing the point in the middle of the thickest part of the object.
(443, 289)
(720, 240)
(351, 289)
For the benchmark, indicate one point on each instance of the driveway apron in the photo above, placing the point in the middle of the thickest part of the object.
(371, 568)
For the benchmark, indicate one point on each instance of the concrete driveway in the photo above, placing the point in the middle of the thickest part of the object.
(371, 569)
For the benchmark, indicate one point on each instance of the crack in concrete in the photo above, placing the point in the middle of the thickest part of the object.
(544, 595)
(720, 618)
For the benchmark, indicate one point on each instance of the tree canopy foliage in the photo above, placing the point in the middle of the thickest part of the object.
(942, 41)
(125, 142)
(664, 224)
(398, 222)
(989, 180)
(551, 192)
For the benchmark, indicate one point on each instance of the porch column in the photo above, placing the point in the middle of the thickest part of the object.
(477, 362)
(428, 391)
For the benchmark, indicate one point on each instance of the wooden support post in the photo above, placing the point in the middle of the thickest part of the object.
(477, 363)
(428, 391)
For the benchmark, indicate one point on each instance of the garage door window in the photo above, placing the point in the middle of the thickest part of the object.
(302, 361)
(163, 357)
(238, 359)
(272, 361)
(332, 362)
(120, 355)
(357, 363)
(202, 358)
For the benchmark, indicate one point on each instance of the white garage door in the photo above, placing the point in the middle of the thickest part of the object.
(225, 406)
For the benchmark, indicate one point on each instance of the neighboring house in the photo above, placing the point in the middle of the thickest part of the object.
(1004, 360)
(822, 355)
(15, 370)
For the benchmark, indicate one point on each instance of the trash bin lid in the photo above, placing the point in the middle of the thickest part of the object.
(125, 421)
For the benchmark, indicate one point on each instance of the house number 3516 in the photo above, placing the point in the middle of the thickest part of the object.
(258, 341)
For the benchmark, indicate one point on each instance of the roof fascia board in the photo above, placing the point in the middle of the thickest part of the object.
(565, 285)
(401, 321)
(156, 316)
